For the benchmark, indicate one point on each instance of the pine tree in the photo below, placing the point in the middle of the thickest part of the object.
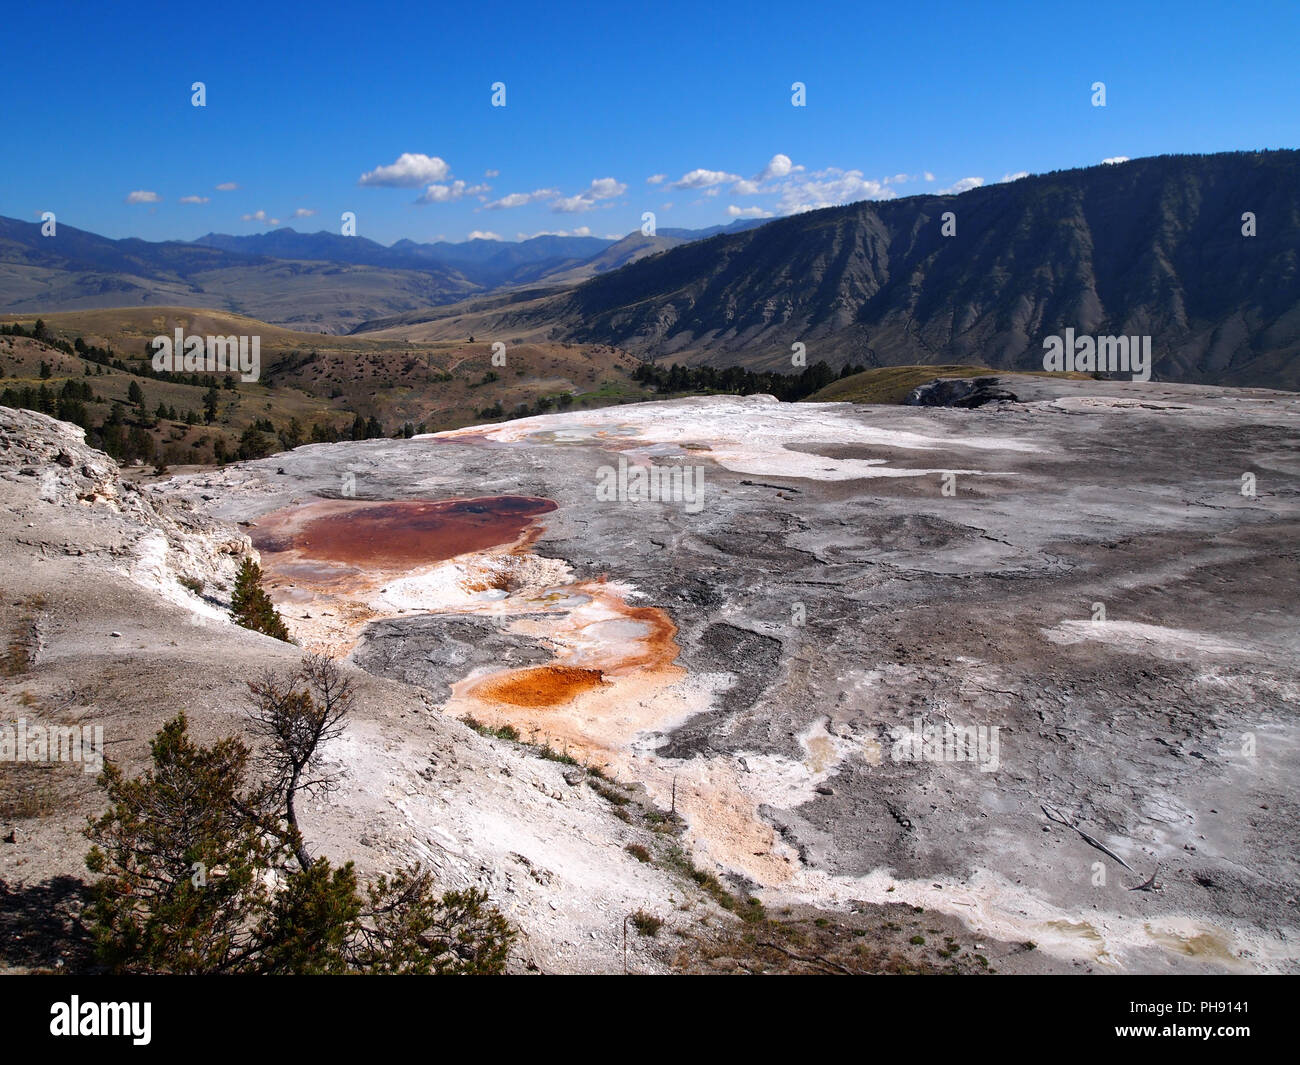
(199, 874)
(252, 444)
(161, 904)
(251, 607)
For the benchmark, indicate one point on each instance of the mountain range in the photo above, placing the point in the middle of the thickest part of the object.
(1155, 247)
(1200, 252)
(321, 282)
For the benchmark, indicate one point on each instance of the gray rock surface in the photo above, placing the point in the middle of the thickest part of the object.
(1093, 582)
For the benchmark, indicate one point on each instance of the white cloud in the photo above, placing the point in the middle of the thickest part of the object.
(483, 234)
(599, 189)
(491, 173)
(410, 170)
(572, 205)
(829, 188)
(1013, 177)
(703, 179)
(261, 216)
(303, 212)
(795, 188)
(606, 188)
(193, 199)
(227, 186)
(142, 196)
(1115, 159)
(778, 166)
(457, 190)
(656, 179)
(581, 231)
(520, 199)
(964, 185)
(929, 176)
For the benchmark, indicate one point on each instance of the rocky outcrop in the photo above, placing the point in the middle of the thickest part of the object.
(959, 392)
(164, 544)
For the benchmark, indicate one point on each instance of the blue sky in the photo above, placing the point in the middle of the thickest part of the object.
(901, 99)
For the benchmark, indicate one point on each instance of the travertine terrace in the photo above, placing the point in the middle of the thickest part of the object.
(1079, 576)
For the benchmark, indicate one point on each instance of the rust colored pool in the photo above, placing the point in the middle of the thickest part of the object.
(400, 534)
(540, 685)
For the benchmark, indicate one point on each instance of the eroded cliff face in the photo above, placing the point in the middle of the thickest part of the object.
(49, 473)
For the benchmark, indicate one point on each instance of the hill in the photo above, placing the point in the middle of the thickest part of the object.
(311, 388)
(315, 282)
(893, 384)
(1149, 247)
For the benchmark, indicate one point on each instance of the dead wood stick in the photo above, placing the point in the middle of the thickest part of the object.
(1060, 819)
(825, 962)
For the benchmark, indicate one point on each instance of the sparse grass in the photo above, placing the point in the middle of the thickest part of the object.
(505, 732)
(609, 794)
(854, 943)
(647, 923)
(545, 750)
(640, 853)
(747, 909)
(26, 791)
(662, 822)
(17, 657)
(192, 583)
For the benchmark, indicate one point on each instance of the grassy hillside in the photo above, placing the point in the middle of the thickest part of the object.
(311, 386)
(891, 384)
